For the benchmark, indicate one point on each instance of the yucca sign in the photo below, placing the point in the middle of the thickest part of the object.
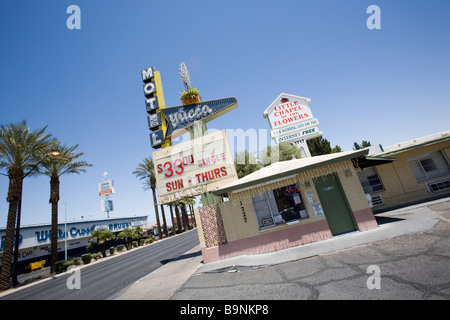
(167, 123)
(180, 118)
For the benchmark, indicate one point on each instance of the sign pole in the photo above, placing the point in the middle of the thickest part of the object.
(303, 146)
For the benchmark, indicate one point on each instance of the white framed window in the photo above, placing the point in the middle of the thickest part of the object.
(438, 185)
(370, 180)
(429, 165)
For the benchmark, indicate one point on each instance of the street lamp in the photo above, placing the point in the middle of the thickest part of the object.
(14, 280)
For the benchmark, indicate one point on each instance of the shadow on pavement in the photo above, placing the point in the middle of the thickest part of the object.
(183, 256)
(384, 220)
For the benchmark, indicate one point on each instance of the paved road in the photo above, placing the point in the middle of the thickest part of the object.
(105, 279)
(413, 266)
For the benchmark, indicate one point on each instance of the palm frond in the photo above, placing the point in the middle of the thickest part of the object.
(20, 147)
(64, 163)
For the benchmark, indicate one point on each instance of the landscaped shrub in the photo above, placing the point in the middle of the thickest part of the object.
(77, 261)
(120, 247)
(149, 240)
(111, 250)
(59, 266)
(66, 264)
(135, 244)
(86, 258)
(95, 256)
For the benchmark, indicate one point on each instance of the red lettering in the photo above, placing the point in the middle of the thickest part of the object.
(159, 166)
(174, 185)
(211, 174)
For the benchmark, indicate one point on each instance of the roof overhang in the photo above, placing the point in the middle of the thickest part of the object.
(370, 161)
(280, 170)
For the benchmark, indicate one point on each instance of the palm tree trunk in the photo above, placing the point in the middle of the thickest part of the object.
(155, 203)
(14, 196)
(177, 213)
(164, 221)
(54, 198)
(185, 217)
(173, 221)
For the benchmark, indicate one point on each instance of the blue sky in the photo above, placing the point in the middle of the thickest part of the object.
(386, 86)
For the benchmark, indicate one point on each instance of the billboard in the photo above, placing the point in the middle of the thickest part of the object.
(291, 119)
(194, 167)
(182, 117)
(107, 205)
(105, 188)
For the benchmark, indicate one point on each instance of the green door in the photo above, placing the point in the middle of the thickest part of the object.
(335, 205)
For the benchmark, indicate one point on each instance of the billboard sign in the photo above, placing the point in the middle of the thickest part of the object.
(154, 103)
(182, 117)
(105, 188)
(107, 205)
(194, 167)
(291, 119)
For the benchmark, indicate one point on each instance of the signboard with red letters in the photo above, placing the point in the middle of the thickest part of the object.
(291, 119)
(194, 167)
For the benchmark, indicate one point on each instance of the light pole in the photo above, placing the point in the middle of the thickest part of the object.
(65, 231)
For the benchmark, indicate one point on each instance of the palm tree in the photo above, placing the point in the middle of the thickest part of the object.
(21, 151)
(127, 235)
(146, 171)
(101, 237)
(65, 163)
(191, 202)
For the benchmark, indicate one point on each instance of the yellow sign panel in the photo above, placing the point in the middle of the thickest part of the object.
(194, 167)
(154, 103)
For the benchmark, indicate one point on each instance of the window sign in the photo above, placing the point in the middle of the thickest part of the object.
(318, 211)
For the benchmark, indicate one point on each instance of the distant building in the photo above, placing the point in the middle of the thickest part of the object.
(420, 172)
(35, 240)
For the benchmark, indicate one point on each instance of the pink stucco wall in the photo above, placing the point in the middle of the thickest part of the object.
(270, 241)
(283, 238)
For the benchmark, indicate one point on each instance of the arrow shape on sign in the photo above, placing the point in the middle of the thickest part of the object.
(180, 118)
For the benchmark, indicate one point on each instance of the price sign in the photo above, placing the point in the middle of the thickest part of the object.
(193, 167)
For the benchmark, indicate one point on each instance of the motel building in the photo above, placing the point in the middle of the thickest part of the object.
(300, 201)
(35, 240)
(287, 204)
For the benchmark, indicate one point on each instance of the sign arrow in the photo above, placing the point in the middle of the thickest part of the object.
(180, 118)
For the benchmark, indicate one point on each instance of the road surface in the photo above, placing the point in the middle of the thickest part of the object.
(103, 280)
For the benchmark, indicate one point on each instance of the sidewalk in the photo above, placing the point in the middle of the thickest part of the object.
(166, 280)
(172, 276)
(413, 219)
